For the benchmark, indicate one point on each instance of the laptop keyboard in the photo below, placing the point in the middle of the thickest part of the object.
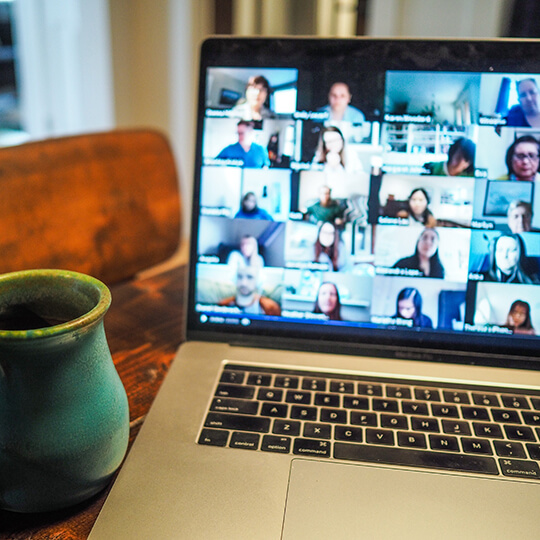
(411, 423)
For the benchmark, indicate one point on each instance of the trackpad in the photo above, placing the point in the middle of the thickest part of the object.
(335, 500)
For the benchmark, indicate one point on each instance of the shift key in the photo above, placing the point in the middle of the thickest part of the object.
(238, 422)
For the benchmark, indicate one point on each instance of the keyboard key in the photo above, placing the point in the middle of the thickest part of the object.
(415, 458)
(247, 441)
(314, 384)
(474, 413)
(534, 451)
(410, 439)
(486, 400)
(446, 411)
(303, 413)
(476, 446)
(515, 402)
(414, 407)
(386, 405)
(444, 442)
(363, 419)
(456, 427)
(233, 376)
(425, 424)
(531, 418)
(520, 433)
(312, 447)
(286, 382)
(348, 433)
(506, 416)
(394, 421)
(286, 427)
(237, 422)
(379, 436)
(272, 443)
(520, 468)
(327, 400)
(536, 403)
(275, 410)
(342, 387)
(270, 394)
(366, 389)
(491, 431)
(427, 394)
(303, 398)
(259, 379)
(240, 406)
(214, 437)
(398, 392)
(451, 396)
(509, 449)
(235, 391)
(317, 431)
(335, 416)
(350, 402)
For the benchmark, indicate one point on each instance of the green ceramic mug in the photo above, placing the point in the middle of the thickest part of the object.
(64, 420)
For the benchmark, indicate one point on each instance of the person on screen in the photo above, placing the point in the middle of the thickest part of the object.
(247, 297)
(251, 154)
(460, 160)
(508, 261)
(332, 154)
(327, 301)
(426, 256)
(418, 210)
(325, 209)
(328, 248)
(523, 159)
(520, 217)
(339, 106)
(527, 112)
(247, 254)
(409, 306)
(249, 208)
(519, 318)
(252, 106)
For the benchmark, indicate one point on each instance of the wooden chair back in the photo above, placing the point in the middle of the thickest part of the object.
(105, 204)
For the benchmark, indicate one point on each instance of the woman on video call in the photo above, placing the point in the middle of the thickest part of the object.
(426, 256)
(409, 306)
(508, 262)
(328, 302)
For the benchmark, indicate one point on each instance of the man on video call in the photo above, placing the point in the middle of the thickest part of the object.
(339, 107)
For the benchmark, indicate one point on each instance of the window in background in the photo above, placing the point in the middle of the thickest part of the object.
(10, 121)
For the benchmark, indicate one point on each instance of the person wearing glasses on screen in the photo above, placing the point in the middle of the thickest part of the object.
(252, 106)
(527, 113)
(523, 159)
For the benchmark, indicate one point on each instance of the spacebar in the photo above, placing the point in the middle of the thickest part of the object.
(413, 458)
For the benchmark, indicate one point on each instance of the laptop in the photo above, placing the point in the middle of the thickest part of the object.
(364, 300)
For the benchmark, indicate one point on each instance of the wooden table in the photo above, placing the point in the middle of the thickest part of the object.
(144, 327)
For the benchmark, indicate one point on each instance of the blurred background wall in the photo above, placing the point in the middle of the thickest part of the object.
(75, 66)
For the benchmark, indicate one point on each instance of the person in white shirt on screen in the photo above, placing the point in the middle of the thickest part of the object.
(339, 108)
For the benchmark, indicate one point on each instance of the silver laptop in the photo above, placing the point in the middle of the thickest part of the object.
(364, 300)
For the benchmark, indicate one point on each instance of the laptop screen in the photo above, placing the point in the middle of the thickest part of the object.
(369, 193)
